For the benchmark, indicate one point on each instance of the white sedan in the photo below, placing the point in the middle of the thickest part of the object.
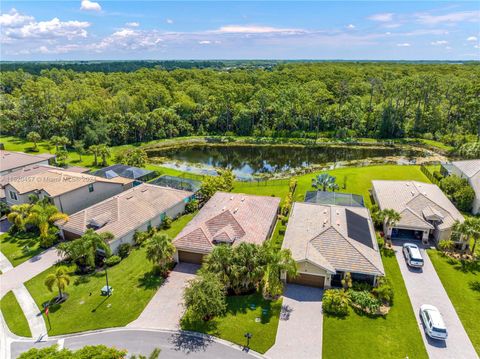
(433, 322)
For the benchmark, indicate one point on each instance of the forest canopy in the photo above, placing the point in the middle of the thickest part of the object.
(378, 100)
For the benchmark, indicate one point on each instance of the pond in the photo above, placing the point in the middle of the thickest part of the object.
(248, 161)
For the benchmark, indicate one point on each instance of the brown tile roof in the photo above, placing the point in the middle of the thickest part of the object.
(10, 160)
(230, 218)
(126, 211)
(407, 197)
(321, 234)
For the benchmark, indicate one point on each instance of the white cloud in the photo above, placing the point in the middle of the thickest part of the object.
(383, 17)
(350, 26)
(404, 44)
(205, 42)
(14, 19)
(169, 21)
(88, 5)
(54, 28)
(254, 29)
(452, 18)
(132, 24)
(129, 39)
(439, 42)
(472, 39)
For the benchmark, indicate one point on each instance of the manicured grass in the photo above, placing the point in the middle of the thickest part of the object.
(20, 247)
(459, 282)
(358, 180)
(395, 336)
(240, 319)
(437, 144)
(133, 284)
(264, 189)
(14, 317)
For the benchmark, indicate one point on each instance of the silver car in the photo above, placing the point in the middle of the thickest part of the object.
(412, 255)
(433, 322)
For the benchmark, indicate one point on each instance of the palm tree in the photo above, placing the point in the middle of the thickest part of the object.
(79, 147)
(324, 181)
(277, 262)
(160, 250)
(104, 152)
(219, 262)
(84, 250)
(468, 229)
(34, 137)
(18, 215)
(391, 217)
(94, 150)
(43, 215)
(59, 279)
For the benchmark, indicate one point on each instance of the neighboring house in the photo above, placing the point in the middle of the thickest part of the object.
(425, 210)
(135, 210)
(337, 198)
(13, 161)
(227, 218)
(328, 241)
(470, 170)
(68, 191)
(119, 170)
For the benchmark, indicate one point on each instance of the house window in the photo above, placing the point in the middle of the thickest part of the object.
(13, 196)
(90, 187)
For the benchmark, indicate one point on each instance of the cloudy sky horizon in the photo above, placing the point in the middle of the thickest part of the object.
(131, 30)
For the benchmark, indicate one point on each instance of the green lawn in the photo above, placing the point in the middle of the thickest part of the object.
(358, 180)
(14, 317)
(463, 287)
(273, 188)
(133, 284)
(19, 248)
(240, 319)
(358, 337)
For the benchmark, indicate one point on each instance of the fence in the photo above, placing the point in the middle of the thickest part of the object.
(429, 175)
(263, 182)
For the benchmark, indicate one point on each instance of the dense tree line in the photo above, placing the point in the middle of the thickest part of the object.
(381, 100)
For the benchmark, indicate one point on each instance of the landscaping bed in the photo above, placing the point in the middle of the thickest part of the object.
(13, 315)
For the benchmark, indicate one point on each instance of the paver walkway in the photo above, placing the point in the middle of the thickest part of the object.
(27, 270)
(424, 287)
(5, 264)
(165, 309)
(300, 329)
(31, 311)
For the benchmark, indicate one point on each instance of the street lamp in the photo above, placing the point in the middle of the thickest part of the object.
(248, 336)
(107, 287)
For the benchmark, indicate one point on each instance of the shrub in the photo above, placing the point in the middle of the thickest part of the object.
(205, 297)
(365, 300)
(281, 231)
(335, 302)
(384, 290)
(359, 286)
(140, 237)
(112, 260)
(437, 175)
(347, 281)
(124, 250)
(167, 223)
(192, 206)
(464, 198)
(452, 184)
(446, 245)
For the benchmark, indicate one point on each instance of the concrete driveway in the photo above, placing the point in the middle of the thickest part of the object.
(165, 309)
(300, 327)
(424, 287)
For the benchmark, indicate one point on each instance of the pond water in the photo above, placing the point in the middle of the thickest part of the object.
(248, 161)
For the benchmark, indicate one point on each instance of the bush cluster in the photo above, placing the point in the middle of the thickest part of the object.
(458, 191)
(112, 260)
(335, 302)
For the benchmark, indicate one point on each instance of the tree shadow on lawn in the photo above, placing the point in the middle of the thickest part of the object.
(248, 303)
(151, 280)
(465, 266)
(201, 326)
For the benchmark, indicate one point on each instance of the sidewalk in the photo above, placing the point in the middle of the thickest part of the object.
(31, 311)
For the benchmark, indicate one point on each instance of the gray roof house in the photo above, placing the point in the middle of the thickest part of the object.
(136, 209)
(12, 161)
(469, 170)
(327, 241)
(227, 218)
(119, 170)
(426, 212)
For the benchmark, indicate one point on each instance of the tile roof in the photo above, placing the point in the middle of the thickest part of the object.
(56, 181)
(320, 234)
(10, 160)
(229, 218)
(126, 211)
(411, 199)
(122, 171)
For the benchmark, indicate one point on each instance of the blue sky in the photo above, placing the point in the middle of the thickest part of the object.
(383, 30)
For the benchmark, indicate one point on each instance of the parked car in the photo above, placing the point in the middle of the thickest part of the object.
(433, 322)
(412, 255)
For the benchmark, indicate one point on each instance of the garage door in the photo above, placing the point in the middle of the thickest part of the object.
(309, 280)
(190, 257)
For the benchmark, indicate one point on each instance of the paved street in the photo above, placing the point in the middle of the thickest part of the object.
(424, 287)
(173, 344)
(165, 309)
(300, 329)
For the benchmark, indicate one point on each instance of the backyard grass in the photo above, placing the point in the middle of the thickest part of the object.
(20, 247)
(462, 284)
(359, 336)
(133, 284)
(240, 319)
(13, 315)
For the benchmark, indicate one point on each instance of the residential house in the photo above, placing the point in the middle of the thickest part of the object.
(119, 170)
(426, 212)
(470, 170)
(68, 191)
(227, 218)
(328, 241)
(13, 161)
(135, 210)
